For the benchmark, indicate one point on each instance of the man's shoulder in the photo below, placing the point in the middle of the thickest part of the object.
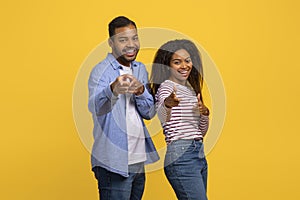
(101, 66)
(138, 63)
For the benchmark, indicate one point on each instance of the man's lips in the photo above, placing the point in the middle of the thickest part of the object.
(130, 52)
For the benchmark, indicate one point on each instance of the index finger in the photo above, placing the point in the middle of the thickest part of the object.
(127, 77)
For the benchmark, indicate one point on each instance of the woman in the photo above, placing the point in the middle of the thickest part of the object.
(176, 83)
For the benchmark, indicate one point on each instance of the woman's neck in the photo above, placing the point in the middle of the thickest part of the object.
(179, 82)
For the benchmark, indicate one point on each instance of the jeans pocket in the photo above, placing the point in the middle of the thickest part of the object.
(201, 151)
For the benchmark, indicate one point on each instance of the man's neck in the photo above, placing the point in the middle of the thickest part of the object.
(121, 60)
(124, 63)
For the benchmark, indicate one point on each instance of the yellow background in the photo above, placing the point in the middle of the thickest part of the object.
(255, 45)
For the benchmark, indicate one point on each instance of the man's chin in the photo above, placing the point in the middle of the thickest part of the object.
(130, 58)
(125, 60)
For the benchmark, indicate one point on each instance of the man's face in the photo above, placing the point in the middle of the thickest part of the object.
(125, 44)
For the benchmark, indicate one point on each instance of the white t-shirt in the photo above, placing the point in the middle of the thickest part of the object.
(135, 131)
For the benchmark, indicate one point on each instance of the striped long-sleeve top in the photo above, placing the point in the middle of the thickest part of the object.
(183, 121)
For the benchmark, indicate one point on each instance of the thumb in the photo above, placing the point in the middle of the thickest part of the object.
(199, 99)
(174, 89)
(127, 77)
(173, 94)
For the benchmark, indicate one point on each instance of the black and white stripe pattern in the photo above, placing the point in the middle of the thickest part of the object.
(183, 121)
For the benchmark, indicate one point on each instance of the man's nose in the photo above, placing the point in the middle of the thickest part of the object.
(130, 43)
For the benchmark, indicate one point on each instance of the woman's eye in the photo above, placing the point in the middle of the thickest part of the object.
(188, 60)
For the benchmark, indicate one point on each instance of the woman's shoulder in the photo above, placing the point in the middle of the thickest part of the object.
(167, 84)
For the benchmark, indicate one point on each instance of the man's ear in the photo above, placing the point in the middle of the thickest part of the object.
(110, 42)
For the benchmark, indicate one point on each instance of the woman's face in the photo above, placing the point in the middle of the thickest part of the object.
(180, 66)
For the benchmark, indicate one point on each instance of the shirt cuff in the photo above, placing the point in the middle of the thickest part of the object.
(110, 94)
(144, 95)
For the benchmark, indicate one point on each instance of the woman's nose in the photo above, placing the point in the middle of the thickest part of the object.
(185, 65)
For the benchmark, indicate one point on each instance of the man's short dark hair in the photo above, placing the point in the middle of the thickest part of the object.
(118, 22)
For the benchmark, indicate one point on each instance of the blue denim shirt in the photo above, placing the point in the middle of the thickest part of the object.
(110, 148)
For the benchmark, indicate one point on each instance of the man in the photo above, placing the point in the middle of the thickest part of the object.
(118, 101)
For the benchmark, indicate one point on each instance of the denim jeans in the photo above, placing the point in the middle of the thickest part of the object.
(113, 186)
(186, 169)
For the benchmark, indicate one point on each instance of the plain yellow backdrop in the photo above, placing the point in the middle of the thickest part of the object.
(255, 45)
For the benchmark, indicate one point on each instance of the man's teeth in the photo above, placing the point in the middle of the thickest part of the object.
(130, 51)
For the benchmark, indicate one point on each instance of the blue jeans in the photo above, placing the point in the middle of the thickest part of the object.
(186, 169)
(113, 186)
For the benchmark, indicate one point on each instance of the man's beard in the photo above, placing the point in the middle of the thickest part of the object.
(123, 59)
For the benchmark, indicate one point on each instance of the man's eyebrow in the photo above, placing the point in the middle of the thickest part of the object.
(125, 37)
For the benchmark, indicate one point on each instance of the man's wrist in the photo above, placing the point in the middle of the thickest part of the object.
(140, 90)
(112, 89)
